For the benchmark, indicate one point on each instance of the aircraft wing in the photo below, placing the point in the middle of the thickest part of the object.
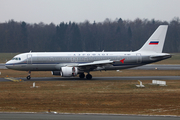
(96, 63)
(92, 65)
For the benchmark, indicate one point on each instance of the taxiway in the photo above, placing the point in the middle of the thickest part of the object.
(94, 78)
(50, 116)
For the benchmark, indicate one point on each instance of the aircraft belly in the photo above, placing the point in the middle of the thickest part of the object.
(46, 67)
(22, 67)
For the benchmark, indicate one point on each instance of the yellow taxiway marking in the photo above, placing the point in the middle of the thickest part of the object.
(13, 79)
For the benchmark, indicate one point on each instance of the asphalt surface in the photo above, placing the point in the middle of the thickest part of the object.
(159, 67)
(49, 116)
(94, 78)
(2, 66)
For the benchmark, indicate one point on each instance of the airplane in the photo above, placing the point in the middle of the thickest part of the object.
(70, 64)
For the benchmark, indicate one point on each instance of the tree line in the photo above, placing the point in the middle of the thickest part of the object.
(116, 35)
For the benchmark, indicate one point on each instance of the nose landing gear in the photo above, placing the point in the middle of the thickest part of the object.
(29, 75)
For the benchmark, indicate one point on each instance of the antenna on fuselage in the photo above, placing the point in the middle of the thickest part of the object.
(103, 51)
(30, 51)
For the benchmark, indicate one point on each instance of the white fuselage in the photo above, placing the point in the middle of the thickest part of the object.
(53, 61)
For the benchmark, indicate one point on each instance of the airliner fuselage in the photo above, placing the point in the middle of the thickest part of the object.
(69, 64)
(53, 61)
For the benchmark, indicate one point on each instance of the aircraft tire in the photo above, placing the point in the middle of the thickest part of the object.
(81, 75)
(28, 77)
(89, 76)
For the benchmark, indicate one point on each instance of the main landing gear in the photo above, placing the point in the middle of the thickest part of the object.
(82, 75)
(29, 75)
(88, 76)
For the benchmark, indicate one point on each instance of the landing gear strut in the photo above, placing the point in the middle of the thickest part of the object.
(89, 76)
(29, 75)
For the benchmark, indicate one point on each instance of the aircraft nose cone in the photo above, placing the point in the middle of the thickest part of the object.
(7, 65)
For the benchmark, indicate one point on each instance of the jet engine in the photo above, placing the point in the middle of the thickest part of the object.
(66, 71)
(56, 72)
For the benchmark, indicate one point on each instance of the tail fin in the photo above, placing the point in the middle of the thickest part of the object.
(156, 42)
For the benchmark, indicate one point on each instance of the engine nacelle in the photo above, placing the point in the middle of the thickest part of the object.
(69, 71)
(56, 72)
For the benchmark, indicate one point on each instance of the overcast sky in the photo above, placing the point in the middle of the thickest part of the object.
(56, 11)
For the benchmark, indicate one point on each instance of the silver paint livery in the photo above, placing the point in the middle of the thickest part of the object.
(68, 64)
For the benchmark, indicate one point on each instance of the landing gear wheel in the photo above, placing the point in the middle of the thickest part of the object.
(81, 75)
(89, 76)
(28, 77)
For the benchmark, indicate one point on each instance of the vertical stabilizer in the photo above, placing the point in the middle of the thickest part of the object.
(156, 42)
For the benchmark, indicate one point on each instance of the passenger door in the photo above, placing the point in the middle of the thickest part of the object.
(29, 59)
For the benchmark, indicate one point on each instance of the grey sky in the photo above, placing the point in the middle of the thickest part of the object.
(56, 11)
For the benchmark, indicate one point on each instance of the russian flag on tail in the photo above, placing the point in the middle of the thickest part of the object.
(154, 43)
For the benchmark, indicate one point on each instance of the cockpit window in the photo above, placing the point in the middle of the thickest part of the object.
(16, 58)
